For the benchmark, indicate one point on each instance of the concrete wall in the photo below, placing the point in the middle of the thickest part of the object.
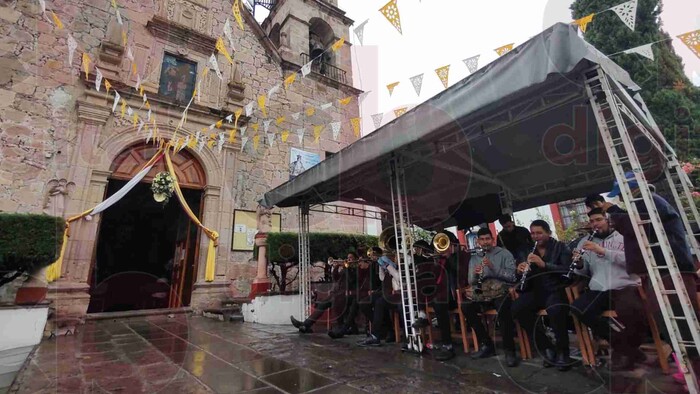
(272, 309)
(21, 327)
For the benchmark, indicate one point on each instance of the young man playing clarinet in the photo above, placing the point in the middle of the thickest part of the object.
(491, 274)
(602, 259)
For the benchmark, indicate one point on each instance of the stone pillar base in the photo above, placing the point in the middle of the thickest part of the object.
(259, 286)
(69, 299)
(207, 295)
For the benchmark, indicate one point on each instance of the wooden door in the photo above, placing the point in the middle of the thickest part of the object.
(180, 261)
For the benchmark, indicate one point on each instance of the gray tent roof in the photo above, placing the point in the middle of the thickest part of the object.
(522, 124)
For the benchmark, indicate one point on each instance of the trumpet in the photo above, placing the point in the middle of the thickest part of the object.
(341, 263)
(477, 289)
(521, 286)
(577, 259)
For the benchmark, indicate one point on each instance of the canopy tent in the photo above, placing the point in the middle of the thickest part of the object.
(521, 125)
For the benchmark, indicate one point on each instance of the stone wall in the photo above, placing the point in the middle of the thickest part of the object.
(54, 126)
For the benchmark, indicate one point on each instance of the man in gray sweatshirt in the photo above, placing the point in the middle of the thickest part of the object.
(490, 275)
(602, 259)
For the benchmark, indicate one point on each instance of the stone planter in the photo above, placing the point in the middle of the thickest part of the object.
(22, 325)
(34, 290)
(271, 309)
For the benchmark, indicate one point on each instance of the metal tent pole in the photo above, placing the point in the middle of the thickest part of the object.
(623, 158)
(304, 261)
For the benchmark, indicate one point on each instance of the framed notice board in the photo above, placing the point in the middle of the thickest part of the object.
(245, 225)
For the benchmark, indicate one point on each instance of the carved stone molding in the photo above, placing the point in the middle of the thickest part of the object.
(236, 92)
(182, 35)
(92, 113)
(111, 53)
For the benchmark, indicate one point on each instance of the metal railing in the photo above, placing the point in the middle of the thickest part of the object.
(325, 69)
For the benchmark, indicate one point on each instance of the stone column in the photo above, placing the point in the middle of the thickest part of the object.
(261, 283)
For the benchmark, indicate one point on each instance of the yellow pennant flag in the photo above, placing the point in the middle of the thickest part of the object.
(280, 120)
(391, 87)
(400, 111)
(345, 101)
(255, 127)
(148, 104)
(107, 85)
(232, 136)
(391, 12)
(443, 73)
(338, 44)
(285, 135)
(192, 143)
(504, 49)
(123, 108)
(583, 22)
(355, 122)
(692, 40)
(237, 114)
(134, 69)
(221, 47)
(141, 91)
(135, 119)
(237, 13)
(310, 111)
(289, 80)
(210, 144)
(57, 21)
(256, 142)
(261, 103)
(124, 40)
(86, 64)
(317, 132)
(219, 124)
(114, 3)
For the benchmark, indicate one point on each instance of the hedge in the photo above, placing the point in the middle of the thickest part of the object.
(29, 242)
(323, 245)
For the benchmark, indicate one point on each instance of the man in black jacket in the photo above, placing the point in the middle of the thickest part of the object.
(514, 238)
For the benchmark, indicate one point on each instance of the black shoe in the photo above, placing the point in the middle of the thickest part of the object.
(305, 329)
(511, 360)
(443, 353)
(336, 334)
(296, 323)
(420, 323)
(370, 341)
(485, 350)
(564, 363)
(550, 358)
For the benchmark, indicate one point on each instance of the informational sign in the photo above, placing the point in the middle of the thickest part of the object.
(245, 227)
(300, 161)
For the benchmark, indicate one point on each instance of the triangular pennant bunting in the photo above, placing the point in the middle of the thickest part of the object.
(249, 108)
(310, 111)
(123, 108)
(129, 54)
(377, 120)
(119, 18)
(644, 50)
(300, 135)
(391, 13)
(256, 142)
(285, 135)
(360, 31)
(215, 65)
(692, 41)
(355, 123)
(237, 113)
(261, 104)
(417, 83)
(296, 115)
(627, 12)
(141, 124)
(229, 118)
(232, 136)
(273, 90)
(266, 125)
(271, 139)
(325, 106)
(255, 127)
(443, 73)
(220, 142)
(582, 23)
(317, 132)
(338, 44)
(86, 64)
(391, 87)
(335, 128)
(243, 130)
(228, 32)
(107, 85)
(306, 69)
(363, 96)
(221, 47)
(72, 45)
(236, 8)
(116, 101)
(289, 80)
(345, 101)
(400, 111)
(244, 141)
(98, 79)
(504, 49)
(472, 63)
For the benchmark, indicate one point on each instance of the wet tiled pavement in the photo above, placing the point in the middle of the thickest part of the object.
(187, 354)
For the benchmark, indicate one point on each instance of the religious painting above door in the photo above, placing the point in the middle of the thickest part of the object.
(177, 79)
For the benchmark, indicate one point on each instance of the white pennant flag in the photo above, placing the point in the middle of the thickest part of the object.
(220, 143)
(244, 141)
(644, 50)
(306, 69)
(211, 126)
(335, 127)
(272, 91)
(249, 108)
(200, 145)
(98, 79)
(185, 143)
(150, 135)
(228, 32)
(627, 12)
(472, 63)
(42, 4)
(138, 82)
(129, 54)
(417, 82)
(145, 98)
(141, 124)
(229, 118)
(326, 106)
(129, 111)
(300, 134)
(119, 18)
(215, 65)
(377, 119)
(271, 139)
(266, 125)
(360, 31)
(116, 101)
(295, 115)
(72, 45)
(363, 95)
(148, 118)
(242, 130)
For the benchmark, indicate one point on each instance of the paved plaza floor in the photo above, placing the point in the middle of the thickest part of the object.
(189, 354)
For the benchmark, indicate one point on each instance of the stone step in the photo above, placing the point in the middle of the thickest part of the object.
(224, 314)
(234, 301)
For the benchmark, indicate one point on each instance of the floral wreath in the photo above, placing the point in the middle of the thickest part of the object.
(162, 187)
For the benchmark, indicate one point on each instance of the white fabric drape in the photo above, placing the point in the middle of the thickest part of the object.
(124, 190)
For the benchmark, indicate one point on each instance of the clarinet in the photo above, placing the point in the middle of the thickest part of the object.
(480, 280)
(575, 260)
(523, 278)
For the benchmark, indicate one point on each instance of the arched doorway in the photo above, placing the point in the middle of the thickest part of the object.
(146, 251)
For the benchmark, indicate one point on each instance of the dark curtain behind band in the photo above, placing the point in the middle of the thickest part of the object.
(474, 211)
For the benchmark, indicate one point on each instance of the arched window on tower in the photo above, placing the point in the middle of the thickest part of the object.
(320, 38)
(275, 35)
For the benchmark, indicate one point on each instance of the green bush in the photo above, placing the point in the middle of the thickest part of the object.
(323, 245)
(29, 242)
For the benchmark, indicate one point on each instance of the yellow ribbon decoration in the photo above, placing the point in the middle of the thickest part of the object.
(213, 235)
(237, 114)
(232, 136)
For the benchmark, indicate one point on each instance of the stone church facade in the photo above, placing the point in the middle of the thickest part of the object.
(61, 145)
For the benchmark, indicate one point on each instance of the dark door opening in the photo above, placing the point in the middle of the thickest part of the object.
(146, 252)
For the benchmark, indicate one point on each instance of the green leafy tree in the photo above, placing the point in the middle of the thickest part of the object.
(672, 99)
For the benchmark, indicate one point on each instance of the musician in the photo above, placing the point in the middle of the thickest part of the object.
(544, 288)
(345, 279)
(603, 261)
(382, 301)
(594, 201)
(516, 239)
(491, 275)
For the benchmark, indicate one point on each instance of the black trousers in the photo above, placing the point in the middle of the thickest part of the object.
(442, 313)
(505, 319)
(630, 312)
(347, 320)
(380, 314)
(525, 310)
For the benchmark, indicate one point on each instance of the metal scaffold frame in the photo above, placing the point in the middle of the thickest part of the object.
(609, 109)
(304, 262)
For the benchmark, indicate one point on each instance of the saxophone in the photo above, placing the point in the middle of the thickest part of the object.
(521, 286)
